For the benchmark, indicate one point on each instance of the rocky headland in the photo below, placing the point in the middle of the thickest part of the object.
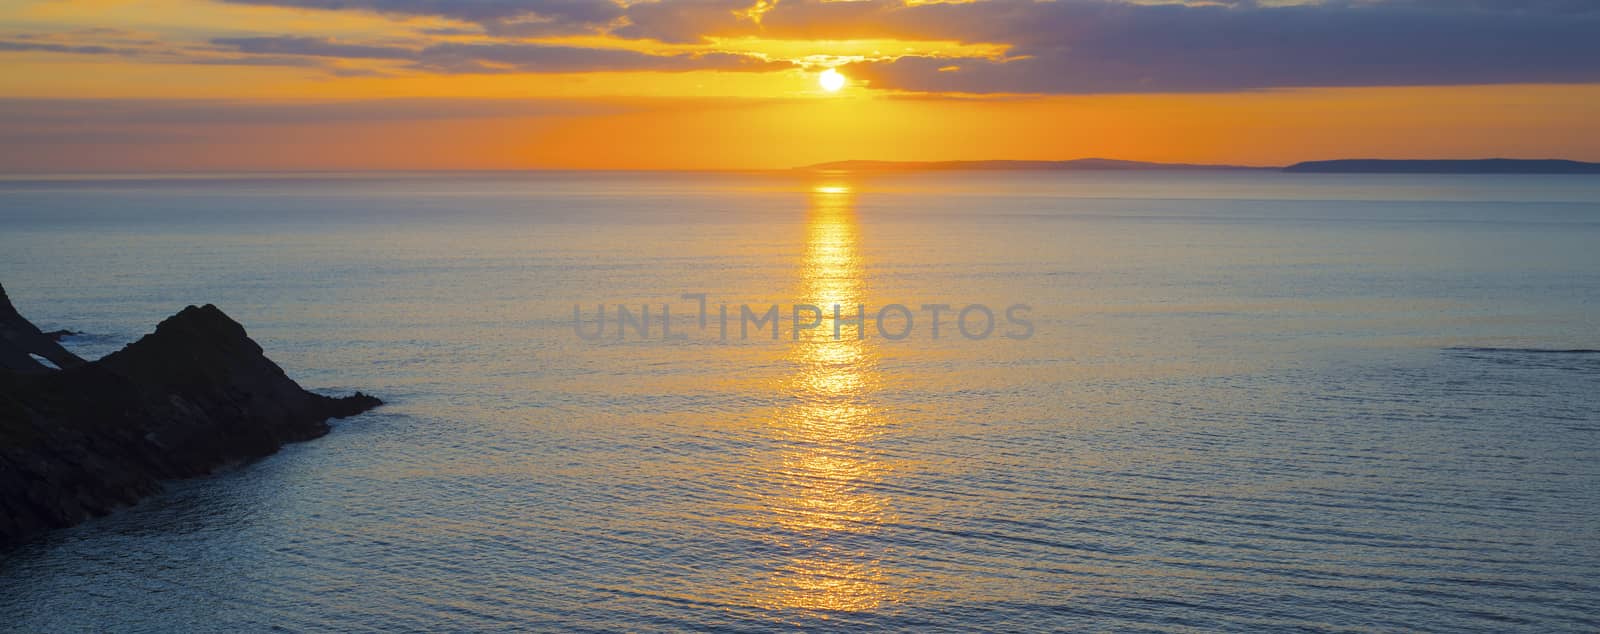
(80, 438)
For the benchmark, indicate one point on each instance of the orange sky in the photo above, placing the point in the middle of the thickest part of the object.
(130, 85)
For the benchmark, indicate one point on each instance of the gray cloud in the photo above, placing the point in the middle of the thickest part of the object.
(526, 18)
(1111, 47)
(452, 57)
(686, 20)
(420, 55)
(1570, 7)
(113, 42)
(312, 47)
(560, 59)
(50, 47)
(1059, 46)
(28, 114)
(1081, 46)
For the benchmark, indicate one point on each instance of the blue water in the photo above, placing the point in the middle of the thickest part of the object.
(1250, 401)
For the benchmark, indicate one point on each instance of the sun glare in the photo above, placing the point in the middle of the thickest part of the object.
(831, 80)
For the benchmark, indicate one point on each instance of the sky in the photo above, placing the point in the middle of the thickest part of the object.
(157, 85)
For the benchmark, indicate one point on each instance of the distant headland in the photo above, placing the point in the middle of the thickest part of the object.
(1471, 166)
(1002, 165)
(1338, 166)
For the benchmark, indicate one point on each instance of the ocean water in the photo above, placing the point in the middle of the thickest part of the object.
(1249, 401)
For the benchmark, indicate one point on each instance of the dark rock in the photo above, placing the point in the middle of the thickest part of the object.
(58, 335)
(194, 395)
(20, 340)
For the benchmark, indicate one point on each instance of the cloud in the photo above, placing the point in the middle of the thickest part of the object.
(495, 57)
(47, 47)
(524, 18)
(31, 114)
(97, 41)
(420, 55)
(136, 47)
(1050, 46)
(1557, 7)
(687, 21)
(517, 57)
(311, 47)
(1113, 47)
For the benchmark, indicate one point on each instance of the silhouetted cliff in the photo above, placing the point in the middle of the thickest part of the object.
(194, 395)
(21, 342)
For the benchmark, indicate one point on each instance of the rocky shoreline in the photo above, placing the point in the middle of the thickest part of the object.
(80, 438)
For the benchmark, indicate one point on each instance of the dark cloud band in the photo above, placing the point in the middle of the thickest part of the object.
(1051, 47)
(451, 57)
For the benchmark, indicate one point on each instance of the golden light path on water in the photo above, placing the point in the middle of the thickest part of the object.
(827, 470)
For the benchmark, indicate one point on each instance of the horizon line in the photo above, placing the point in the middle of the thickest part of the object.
(820, 166)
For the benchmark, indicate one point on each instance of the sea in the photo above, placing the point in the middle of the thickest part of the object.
(1056, 401)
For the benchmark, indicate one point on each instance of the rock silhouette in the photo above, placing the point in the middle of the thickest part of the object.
(194, 395)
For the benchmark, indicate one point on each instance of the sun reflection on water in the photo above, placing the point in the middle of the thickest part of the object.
(827, 500)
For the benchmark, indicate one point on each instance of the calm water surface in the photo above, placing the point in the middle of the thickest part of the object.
(1251, 402)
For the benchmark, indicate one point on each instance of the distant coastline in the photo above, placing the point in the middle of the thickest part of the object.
(1004, 165)
(1473, 166)
(1337, 166)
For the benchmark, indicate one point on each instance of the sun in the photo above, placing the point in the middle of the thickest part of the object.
(831, 80)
